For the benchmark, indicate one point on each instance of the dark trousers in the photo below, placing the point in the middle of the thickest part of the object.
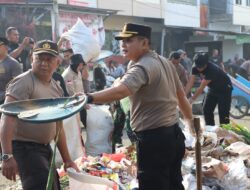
(159, 157)
(33, 162)
(119, 121)
(224, 103)
(83, 117)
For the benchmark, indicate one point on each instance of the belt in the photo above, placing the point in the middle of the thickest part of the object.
(159, 130)
(29, 143)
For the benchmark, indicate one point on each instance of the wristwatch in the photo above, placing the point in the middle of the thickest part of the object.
(6, 157)
(90, 99)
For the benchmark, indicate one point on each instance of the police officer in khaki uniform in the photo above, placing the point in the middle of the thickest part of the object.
(155, 92)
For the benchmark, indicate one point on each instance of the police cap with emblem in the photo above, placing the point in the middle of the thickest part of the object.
(131, 30)
(46, 46)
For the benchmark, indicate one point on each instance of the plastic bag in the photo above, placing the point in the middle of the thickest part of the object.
(240, 148)
(82, 41)
(189, 182)
(236, 178)
(83, 181)
(100, 127)
(72, 132)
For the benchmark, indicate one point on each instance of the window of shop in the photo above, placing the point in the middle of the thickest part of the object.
(238, 2)
(247, 2)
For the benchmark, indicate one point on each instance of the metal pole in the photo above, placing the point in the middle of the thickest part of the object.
(198, 154)
(163, 34)
(27, 11)
(55, 21)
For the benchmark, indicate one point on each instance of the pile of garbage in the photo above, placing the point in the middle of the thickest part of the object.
(120, 168)
(225, 155)
(225, 158)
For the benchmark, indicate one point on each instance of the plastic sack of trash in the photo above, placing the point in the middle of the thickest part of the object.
(82, 41)
(83, 181)
(73, 136)
(236, 178)
(189, 183)
(99, 131)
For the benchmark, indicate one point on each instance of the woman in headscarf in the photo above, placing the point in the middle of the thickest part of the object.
(73, 80)
(72, 75)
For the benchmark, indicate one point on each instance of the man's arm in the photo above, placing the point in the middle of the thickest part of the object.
(183, 104)
(186, 110)
(63, 148)
(7, 126)
(117, 92)
(16, 53)
(203, 84)
(190, 84)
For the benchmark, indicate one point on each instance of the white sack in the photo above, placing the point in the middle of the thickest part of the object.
(99, 130)
(72, 133)
(236, 178)
(83, 181)
(82, 40)
(239, 147)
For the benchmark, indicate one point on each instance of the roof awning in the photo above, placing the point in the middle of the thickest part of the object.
(65, 7)
(87, 10)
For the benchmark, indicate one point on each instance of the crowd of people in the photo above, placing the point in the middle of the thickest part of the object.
(33, 70)
(157, 88)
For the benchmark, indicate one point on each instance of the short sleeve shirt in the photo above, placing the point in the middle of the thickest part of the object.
(220, 82)
(153, 100)
(9, 68)
(27, 86)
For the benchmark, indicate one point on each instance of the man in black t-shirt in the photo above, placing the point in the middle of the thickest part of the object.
(20, 52)
(219, 89)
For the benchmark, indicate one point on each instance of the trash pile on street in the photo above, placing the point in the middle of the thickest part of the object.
(225, 159)
(119, 168)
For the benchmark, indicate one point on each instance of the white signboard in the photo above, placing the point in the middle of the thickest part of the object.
(182, 14)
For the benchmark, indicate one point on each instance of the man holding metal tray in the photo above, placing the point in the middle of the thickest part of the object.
(26, 146)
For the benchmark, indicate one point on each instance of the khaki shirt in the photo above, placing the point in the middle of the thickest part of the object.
(27, 86)
(154, 100)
